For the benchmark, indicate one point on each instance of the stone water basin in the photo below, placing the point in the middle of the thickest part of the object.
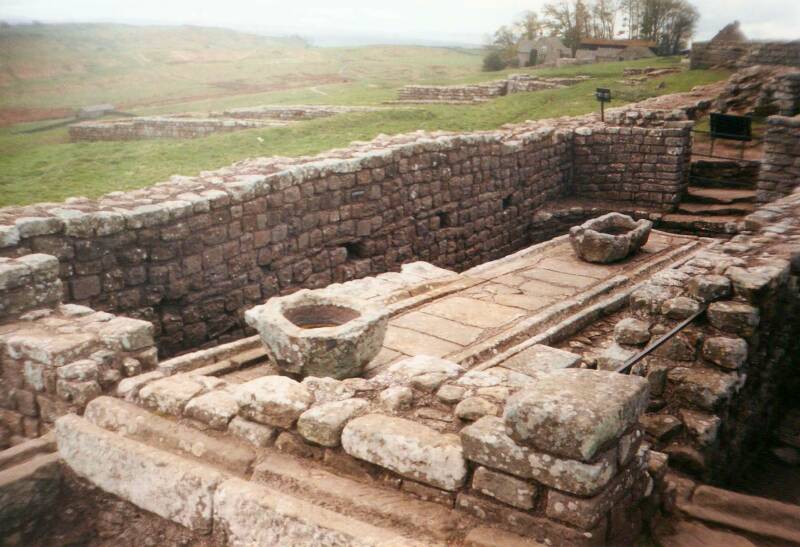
(609, 238)
(311, 333)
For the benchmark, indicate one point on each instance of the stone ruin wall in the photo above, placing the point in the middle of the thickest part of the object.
(56, 358)
(478, 93)
(780, 168)
(158, 128)
(191, 254)
(290, 112)
(744, 54)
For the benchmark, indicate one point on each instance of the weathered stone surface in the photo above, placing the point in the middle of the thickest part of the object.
(540, 358)
(323, 424)
(572, 413)
(660, 426)
(327, 390)
(702, 387)
(408, 448)
(730, 353)
(614, 356)
(734, 317)
(632, 332)
(136, 423)
(586, 512)
(680, 307)
(130, 334)
(474, 408)
(505, 488)
(252, 514)
(273, 400)
(311, 333)
(169, 395)
(487, 443)
(708, 288)
(129, 387)
(420, 371)
(215, 408)
(609, 238)
(450, 394)
(703, 427)
(396, 398)
(258, 435)
(169, 486)
(648, 299)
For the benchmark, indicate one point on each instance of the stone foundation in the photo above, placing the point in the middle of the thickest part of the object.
(780, 169)
(478, 93)
(152, 127)
(290, 112)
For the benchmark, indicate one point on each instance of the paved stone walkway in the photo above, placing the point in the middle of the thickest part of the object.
(506, 292)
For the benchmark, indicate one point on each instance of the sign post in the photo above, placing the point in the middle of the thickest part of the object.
(603, 96)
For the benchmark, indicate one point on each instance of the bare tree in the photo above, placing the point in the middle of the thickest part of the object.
(604, 18)
(570, 20)
(529, 25)
(679, 26)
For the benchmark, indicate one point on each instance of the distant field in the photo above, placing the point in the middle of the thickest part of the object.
(46, 167)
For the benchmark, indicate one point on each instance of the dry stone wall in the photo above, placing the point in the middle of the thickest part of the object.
(191, 254)
(780, 168)
(647, 166)
(478, 93)
(158, 128)
(289, 112)
(55, 358)
(744, 54)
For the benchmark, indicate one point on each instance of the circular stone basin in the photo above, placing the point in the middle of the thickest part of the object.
(609, 238)
(311, 333)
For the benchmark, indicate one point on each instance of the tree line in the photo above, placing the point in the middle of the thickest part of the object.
(668, 23)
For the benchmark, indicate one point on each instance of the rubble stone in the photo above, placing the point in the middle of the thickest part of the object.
(273, 400)
(632, 331)
(729, 353)
(323, 424)
(505, 488)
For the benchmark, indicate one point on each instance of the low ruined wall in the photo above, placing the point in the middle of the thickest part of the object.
(453, 93)
(55, 358)
(744, 54)
(476, 93)
(156, 128)
(191, 254)
(647, 166)
(290, 112)
(780, 168)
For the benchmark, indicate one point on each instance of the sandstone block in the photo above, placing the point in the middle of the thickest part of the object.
(323, 424)
(572, 413)
(632, 332)
(474, 408)
(169, 486)
(407, 448)
(486, 442)
(273, 400)
(258, 435)
(708, 288)
(680, 307)
(169, 395)
(734, 317)
(130, 334)
(730, 353)
(215, 408)
(253, 514)
(702, 387)
(505, 488)
(327, 390)
(396, 398)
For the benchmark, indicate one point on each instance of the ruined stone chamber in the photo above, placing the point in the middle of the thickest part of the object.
(609, 238)
(316, 334)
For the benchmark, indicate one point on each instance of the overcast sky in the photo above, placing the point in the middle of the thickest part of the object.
(465, 21)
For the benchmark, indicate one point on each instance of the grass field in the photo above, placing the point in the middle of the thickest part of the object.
(46, 167)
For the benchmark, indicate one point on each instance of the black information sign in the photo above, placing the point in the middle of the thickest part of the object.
(604, 96)
(727, 126)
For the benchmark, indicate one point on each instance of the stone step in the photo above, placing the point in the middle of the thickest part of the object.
(202, 497)
(716, 209)
(720, 195)
(702, 225)
(754, 515)
(17, 454)
(377, 504)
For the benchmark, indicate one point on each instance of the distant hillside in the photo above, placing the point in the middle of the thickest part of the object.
(47, 70)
